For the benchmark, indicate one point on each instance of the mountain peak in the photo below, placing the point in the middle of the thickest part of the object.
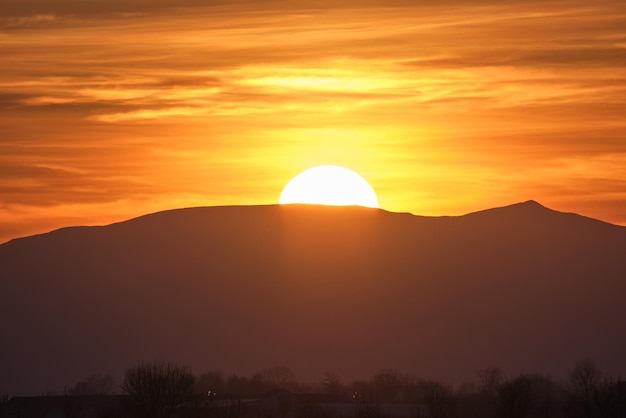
(528, 204)
(526, 207)
(531, 203)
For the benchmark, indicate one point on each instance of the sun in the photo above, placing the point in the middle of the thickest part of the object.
(329, 185)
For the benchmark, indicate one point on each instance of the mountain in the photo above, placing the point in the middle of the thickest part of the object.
(317, 288)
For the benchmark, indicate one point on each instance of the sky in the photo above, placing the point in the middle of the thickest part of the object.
(113, 109)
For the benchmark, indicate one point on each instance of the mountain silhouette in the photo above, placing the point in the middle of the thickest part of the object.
(344, 289)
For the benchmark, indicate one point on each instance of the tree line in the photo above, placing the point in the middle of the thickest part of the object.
(156, 389)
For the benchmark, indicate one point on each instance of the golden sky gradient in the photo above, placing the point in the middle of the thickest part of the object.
(113, 109)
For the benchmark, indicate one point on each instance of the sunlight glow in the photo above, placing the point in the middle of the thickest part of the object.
(329, 185)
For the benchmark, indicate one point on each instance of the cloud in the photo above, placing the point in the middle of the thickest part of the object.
(38, 20)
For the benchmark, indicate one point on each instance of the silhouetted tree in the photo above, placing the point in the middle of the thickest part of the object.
(590, 393)
(96, 384)
(239, 385)
(543, 392)
(526, 396)
(584, 380)
(277, 377)
(157, 389)
(513, 397)
(489, 378)
(466, 389)
(439, 398)
(387, 385)
(331, 385)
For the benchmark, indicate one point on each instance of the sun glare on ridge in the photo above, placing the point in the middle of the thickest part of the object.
(329, 185)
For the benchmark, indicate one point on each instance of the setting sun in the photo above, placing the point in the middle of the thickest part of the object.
(329, 185)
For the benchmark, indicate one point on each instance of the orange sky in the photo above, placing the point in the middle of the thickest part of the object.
(111, 110)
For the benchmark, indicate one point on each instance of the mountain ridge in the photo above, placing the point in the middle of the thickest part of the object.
(349, 290)
(524, 205)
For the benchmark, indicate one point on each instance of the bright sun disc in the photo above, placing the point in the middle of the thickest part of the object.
(329, 185)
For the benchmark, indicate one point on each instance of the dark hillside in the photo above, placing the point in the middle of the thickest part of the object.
(317, 288)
